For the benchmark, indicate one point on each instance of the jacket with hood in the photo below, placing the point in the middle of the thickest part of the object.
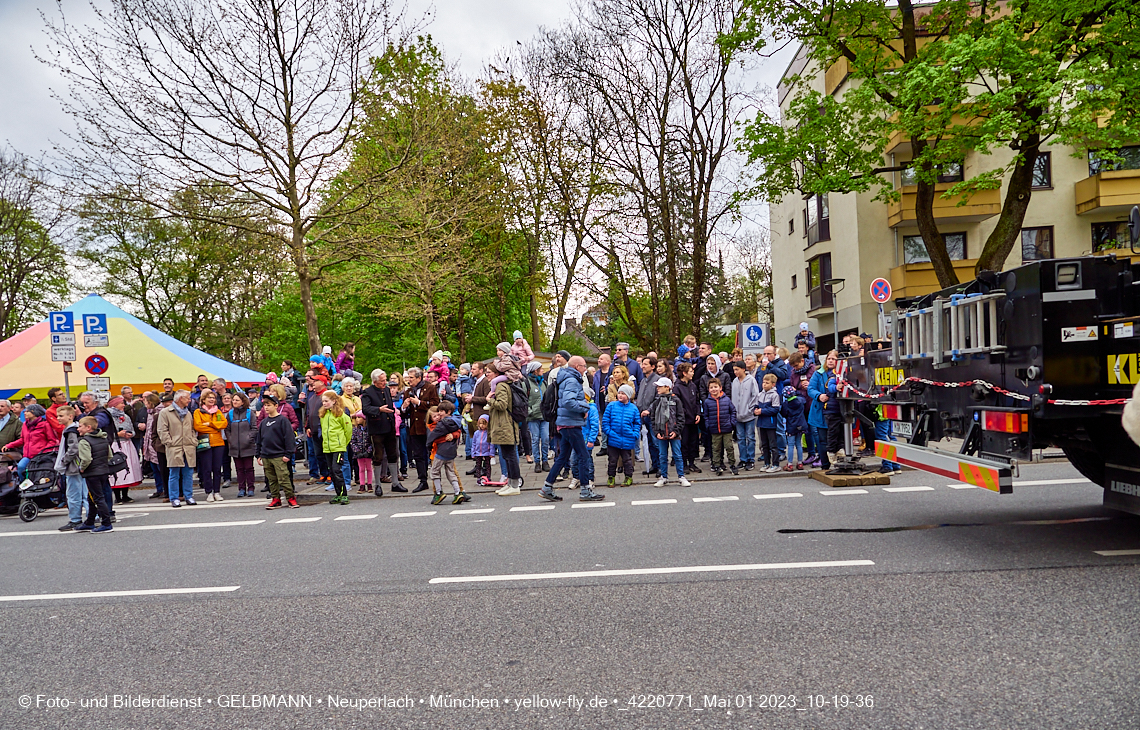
(719, 414)
(769, 408)
(780, 369)
(537, 390)
(36, 438)
(724, 378)
(67, 458)
(522, 352)
(572, 407)
(793, 411)
(666, 416)
(689, 395)
(335, 432)
(438, 446)
(745, 396)
(241, 433)
(94, 455)
(590, 430)
(504, 431)
(621, 423)
(818, 386)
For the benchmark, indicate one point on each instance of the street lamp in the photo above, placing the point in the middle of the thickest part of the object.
(833, 287)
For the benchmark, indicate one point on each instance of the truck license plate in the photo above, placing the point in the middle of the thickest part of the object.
(902, 428)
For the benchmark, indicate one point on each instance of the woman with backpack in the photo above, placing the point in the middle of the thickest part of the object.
(241, 436)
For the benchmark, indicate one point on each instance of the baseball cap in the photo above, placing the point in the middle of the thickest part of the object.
(269, 397)
(664, 382)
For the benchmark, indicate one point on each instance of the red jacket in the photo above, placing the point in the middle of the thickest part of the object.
(53, 419)
(35, 439)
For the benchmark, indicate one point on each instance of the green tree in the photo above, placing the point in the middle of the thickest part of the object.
(952, 77)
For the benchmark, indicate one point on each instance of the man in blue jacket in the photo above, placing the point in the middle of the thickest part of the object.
(572, 411)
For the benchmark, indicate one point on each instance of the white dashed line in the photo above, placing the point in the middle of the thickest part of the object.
(962, 486)
(291, 520)
(844, 491)
(414, 514)
(354, 517)
(1112, 553)
(652, 571)
(188, 525)
(586, 505)
(115, 594)
(715, 499)
(483, 511)
(639, 502)
(908, 489)
(784, 495)
(534, 508)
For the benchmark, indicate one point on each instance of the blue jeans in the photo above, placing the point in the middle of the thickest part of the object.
(22, 467)
(317, 466)
(181, 483)
(654, 456)
(820, 433)
(403, 450)
(76, 497)
(746, 440)
(883, 433)
(346, 468)
(810, 436)
(663, 446)
(572, 443)
(781, 435)
(539, 440)
(796, 446)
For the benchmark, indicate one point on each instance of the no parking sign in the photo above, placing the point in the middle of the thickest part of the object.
(881, 291)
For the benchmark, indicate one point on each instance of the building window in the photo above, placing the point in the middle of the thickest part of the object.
(819, 271)
(914, 248)
(818, 219)
(1036, 243)
(791, 225)
(950, 173)
(1107, 236)
(793, 281)
(1129, 160)
(1043, 171)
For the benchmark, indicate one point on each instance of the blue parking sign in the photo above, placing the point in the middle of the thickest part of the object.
(94, 324)
(61, 322)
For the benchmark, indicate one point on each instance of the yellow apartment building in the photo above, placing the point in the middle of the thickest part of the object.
(1079, 205)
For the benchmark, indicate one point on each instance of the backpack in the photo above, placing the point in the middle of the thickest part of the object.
(520, 400)
(550, 402)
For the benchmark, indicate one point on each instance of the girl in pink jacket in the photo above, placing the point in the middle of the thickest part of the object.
(521, 350)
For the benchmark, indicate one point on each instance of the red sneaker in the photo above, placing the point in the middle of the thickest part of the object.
(293, 503)
(274, 504)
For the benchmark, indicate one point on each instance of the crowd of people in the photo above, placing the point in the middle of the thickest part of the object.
(769, 412)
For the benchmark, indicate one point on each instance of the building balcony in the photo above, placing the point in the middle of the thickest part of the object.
(899, 141)
(915, 280)
(1111, 191)
(979, 206)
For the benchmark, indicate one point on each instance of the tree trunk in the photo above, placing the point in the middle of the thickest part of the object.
(928, 225)
(700, 253)
(306, 286)
(429, 321)
(462, 330)
(1007, 232)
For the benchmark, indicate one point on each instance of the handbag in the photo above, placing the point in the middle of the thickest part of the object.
(117, 462)
(203, 443)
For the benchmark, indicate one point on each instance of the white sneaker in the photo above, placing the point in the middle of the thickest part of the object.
(573, 484)
(509, 491)
(772, 469)
(218, 497)
(685, 482)
(660, 482)
(210, 497)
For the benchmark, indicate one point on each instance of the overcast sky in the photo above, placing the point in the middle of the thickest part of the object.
(468, 31)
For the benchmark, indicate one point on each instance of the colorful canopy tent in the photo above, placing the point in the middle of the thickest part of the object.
(138, 355)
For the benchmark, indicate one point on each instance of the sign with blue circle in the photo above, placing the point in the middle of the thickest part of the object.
(881, 291)
(753, 336)
(755, 333)
(96, 364)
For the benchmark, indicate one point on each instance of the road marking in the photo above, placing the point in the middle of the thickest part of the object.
(115, 594)
(535, 508)
(472, 511)
(784, 495)
(586, 505)
(715, 499)
(414, 514)
(845, 491)
(638, 502)
(962, 486)
(164, 506)
(355, 517)
(652, 571)
(188, 525)
(908, 489)
(291, 520)
(1112, 553)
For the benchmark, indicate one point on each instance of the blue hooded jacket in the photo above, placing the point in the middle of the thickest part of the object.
(719, 414)
(622, 424)
(793, 411)
(818, 385)
(572, 406)
(590, 432)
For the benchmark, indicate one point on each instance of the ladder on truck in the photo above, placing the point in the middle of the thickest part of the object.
(948, 331)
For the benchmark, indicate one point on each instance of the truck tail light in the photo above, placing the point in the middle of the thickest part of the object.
(892, 413)
(1005, 422)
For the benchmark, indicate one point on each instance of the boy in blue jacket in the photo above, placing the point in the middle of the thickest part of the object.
(621, 422)
(768, 410)
(590, 433)
(793, 411)
(719, 416)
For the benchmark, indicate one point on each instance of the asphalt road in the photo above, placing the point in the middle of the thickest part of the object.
(925, 608)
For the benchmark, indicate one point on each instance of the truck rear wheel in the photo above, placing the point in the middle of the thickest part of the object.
(1088, 462)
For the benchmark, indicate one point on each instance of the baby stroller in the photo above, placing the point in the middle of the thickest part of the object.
(9, 489)
(40, 490)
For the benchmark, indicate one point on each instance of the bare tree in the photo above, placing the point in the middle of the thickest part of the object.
(260, 96)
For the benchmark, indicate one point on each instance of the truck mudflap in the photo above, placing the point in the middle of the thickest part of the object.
(1122, 488)
(982, 473)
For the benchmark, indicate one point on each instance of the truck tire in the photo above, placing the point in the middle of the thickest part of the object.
(1088, 462)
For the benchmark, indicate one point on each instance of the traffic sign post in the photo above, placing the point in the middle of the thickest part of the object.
(881, 291)
(94, 324)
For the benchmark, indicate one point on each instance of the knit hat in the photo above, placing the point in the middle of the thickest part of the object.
(533, 366)
(664, 383)
(36, 409)
(565, 355)
(518, 334)
(789, 391)
(682, 350)
(271, 378)
(447, 354)
(503, 347)
(437, 355)
(484, 416)
(628, 390)
(327, 350)
(803, 327)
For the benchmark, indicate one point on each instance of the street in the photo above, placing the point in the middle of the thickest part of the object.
(753, 602)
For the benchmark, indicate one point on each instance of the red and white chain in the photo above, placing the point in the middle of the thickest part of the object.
(988, 385)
